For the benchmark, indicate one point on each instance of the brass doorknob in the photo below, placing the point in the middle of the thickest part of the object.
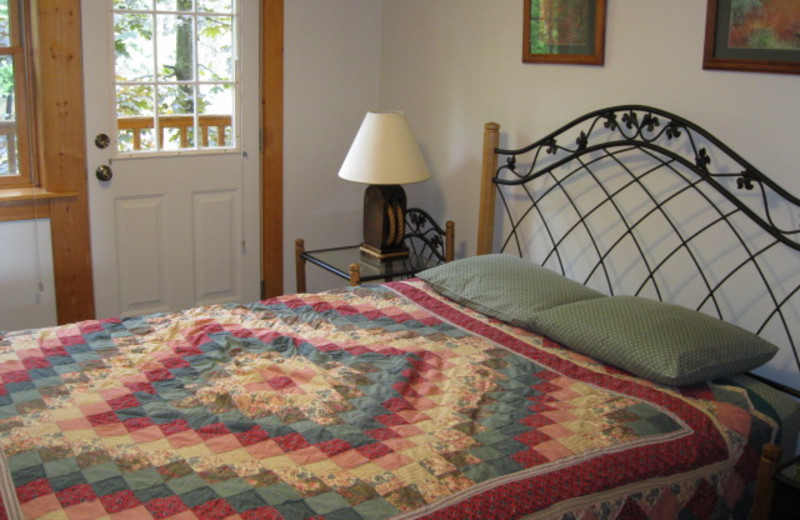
(104, 173)
(102, 141)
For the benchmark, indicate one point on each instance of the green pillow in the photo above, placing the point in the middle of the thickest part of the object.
(505, 287)
(662, 342)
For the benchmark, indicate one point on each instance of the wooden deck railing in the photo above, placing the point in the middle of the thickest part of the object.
(181, 122)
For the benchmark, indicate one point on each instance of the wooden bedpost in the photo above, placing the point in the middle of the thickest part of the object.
(491, 138)
(765, 486)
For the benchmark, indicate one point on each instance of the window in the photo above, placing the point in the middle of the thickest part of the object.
(175, 75)
(15, 135)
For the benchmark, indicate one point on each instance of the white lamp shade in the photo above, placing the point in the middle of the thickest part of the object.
(384, 152)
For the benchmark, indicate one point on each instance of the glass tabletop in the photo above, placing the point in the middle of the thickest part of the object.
(338, 259)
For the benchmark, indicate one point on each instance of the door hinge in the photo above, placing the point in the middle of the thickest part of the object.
(263, 290)
(261, 140)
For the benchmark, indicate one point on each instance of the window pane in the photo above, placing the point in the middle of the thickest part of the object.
(176, 116)
(175, 48)
(175, 99)
(215, 6)
(215, 48)
(133, 5)
(5, 25)
(216, 115)
(174, 5)
(135, 118)
(8, 124)
(133, 47)
(175, 75)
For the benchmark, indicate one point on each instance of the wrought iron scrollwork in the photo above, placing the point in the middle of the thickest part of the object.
(424, 237)
(687, 156)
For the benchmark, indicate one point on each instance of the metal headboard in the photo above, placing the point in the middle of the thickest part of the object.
(636, 200)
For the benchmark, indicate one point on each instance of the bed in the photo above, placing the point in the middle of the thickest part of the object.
(464, 393)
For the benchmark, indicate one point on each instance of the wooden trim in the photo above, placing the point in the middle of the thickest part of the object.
(60, 133)
(449, 240)
(24, 210)
(765, 485)
(355, 274)
(491, 138)
(300, 265)
(27, 203)
(272, 156)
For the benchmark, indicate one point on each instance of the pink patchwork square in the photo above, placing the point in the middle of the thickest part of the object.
(40, 506)
(307, 455)
(93, 509)
(96, 408)
(349, 459)
(184, 439)
(393, 461)
(223, 443)
(146, 434)
(266, 449)
(111, 430)
(553, 450)
(78, 423)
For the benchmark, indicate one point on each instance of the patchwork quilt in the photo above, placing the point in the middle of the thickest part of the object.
(384, 401)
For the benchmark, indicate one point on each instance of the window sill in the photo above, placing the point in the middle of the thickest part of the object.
(28, 203)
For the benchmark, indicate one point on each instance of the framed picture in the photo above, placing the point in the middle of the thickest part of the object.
(753, 36)
(564, 31)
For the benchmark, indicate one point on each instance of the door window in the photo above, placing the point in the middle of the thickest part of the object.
(175, 75)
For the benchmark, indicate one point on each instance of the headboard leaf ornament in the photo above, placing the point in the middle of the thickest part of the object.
(641, 129)
(662, 189)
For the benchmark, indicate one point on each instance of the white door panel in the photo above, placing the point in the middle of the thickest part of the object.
(171, 231)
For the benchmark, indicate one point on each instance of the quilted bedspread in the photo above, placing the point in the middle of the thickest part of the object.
(374, 402)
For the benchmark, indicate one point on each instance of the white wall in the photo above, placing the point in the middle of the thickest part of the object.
(332, 77)
(26, 258)
(453, 65)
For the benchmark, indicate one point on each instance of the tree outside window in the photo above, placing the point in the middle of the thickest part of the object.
(15, 139)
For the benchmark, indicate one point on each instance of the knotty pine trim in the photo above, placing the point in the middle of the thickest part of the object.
(62, 152)
(272, 13)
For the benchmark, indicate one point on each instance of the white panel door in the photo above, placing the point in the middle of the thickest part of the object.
(177, 224)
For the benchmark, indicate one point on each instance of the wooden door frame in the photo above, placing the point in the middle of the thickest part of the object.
(61, 134)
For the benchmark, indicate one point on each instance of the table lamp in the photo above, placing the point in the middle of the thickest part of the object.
(384, 155)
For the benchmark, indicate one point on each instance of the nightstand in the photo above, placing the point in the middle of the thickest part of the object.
(429, 245)
(786, 501)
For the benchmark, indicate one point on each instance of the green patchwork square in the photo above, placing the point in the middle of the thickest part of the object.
(278, 494)
(246, 501)
(61, 467)
(231, 487)
(297, 509)
(326, 502)
(375, 509)
(100, 472)
(198, 496)
(26, 459)
(143, 479)
(186, 484)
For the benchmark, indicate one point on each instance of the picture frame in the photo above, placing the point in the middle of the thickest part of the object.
(564, 31)
(737, 40)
